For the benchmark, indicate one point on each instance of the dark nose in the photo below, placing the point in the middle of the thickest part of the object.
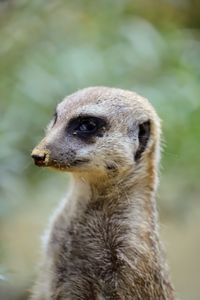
(39, 157)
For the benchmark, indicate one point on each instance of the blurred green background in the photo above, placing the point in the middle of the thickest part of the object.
(51, 48)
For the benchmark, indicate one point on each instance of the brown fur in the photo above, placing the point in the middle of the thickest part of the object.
(103, 241)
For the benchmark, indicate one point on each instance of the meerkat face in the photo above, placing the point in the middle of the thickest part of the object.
(98, 129)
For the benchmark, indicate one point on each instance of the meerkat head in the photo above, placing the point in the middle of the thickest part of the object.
(101, 130)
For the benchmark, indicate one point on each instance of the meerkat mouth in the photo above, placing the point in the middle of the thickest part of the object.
(79, 162)
(63, 166)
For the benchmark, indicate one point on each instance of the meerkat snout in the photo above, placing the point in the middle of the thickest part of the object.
(38, 157)
(97, 129)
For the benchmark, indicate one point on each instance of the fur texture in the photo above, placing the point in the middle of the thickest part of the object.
(103, 241)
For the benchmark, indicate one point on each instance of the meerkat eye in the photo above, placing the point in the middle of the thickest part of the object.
(85, 127)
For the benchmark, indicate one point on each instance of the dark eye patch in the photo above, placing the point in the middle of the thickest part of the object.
(86, 127)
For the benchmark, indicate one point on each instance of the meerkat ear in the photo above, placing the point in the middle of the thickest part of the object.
(143, 137)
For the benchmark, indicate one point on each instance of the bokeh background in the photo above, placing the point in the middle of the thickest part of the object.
(51, 48)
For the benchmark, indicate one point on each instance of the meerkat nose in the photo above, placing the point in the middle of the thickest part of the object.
(38, 157)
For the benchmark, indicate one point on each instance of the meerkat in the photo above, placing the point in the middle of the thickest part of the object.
(103, 241)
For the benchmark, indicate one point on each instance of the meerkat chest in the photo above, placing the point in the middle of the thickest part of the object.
(87, 240)
(85, 250)
(91, 255)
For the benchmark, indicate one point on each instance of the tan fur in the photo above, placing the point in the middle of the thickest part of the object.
(103, 241)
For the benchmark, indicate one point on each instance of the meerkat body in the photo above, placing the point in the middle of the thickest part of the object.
(103, 242)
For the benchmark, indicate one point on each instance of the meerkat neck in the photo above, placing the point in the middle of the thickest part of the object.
(127, 190)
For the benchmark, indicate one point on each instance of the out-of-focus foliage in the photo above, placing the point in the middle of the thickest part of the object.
(51, 48)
